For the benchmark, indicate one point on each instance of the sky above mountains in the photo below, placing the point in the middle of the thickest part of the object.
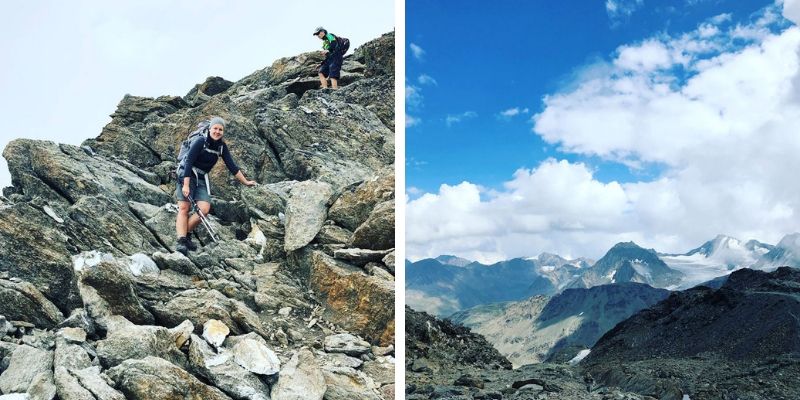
(571, 126)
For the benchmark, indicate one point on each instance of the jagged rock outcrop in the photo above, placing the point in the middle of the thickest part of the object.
(97, 304)
(706, 343)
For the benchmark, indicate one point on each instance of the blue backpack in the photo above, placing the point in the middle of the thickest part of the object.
(200, 133)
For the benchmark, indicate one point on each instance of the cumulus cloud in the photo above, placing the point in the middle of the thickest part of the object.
(413, 96)
(791, 10)
(417, 51)
(453, 119)
(412, 121)
(716, 112)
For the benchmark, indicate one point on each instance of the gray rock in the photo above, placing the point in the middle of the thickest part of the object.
(26, 364)
(300, 379)
(199, 306)
(256, 357)
(22, 301)
(377, 270)
(347, 344)
(79, 319)
(42, 387)
(49, 268)
(156, 378)
(339, 360)
(15, 396)
(221, 370)
(107, 289)
(353, 207)
(349, 384)
(73, 335)
(305, 213)
(127, 341)
(91, 379)
(262, 198)
(142, 264)
(44, 340)
(381, 370)
(332, 234)
(182, 333)
(388, 261)
(360, 257)
(377, 232)
(70, 356)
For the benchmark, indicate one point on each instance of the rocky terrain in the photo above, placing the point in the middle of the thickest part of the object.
(559, 328)
(741, 341)
(447, 361)
(295, 301)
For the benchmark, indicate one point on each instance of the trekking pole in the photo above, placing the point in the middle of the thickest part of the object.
(204, 220)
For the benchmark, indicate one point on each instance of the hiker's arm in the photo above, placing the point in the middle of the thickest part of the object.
(240, 177)
(191, 158)
(228, 159)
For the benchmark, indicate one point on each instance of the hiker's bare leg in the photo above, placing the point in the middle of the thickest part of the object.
(334, 83)
(181, 222)
(195, 219)
(323, 82)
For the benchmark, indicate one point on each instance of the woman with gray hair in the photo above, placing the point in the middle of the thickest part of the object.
(203, 153)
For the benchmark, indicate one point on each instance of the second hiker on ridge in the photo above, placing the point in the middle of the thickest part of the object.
(334, 47)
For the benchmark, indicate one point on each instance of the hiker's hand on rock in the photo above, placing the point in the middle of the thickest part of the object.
(250, 183)
(186, 191)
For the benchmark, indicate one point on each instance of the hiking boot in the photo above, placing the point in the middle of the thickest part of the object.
(181, 247)
(189, 244)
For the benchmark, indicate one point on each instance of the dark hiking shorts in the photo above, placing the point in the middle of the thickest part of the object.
(332, 67)
(197, 190)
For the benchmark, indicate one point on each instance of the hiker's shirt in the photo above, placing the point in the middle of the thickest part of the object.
(201, 158)
(332, 44)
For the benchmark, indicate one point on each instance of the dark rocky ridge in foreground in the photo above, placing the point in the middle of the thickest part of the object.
(739, 341)
(297, 299)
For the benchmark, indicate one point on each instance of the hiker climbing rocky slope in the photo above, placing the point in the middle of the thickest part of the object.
(295, 301)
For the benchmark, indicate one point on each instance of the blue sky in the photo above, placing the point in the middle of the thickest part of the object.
(568, 126)
(66, 65)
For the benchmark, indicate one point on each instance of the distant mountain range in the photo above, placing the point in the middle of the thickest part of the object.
(448, 284)
(540, 329)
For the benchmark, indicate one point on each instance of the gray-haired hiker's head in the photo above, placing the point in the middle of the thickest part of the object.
(216, 120)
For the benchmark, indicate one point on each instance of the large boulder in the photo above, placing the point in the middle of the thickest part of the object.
(355, 204)
(154, 378)
(305, 213)
(300, 379)
(23, 302)
(128, 341)
(72, 173)
(356, 301)
(199, 306)
(221, 370)
(35, 249)
(108, 289)
(377, 232)
(26, 364)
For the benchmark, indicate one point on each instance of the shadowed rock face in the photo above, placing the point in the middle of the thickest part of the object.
(89, 232)
(736, 336)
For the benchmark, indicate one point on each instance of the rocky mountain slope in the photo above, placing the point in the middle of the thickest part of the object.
(558, 328)
(739, 341)
(447, 361)
(627, 262)
(295, 301)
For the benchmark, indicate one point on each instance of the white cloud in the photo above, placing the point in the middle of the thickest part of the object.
(413, 97)
(426, 79)
(512, 112)
(717, 115)
(617, 9)
(417, 51)
(454, 119)
(791, 10)
(413, 190)
(412, 121)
